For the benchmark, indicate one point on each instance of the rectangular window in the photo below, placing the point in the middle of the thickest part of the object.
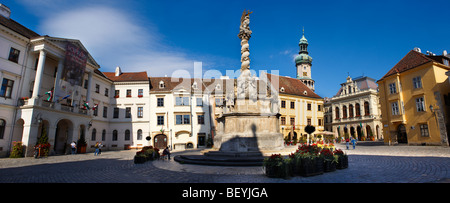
(160, 120)
(199, 101)
(86, 82)
(160, 102)
(6, 89)
(292, 121)
(128, 93)
(140, 112)
(292, 105)
(128, 112)
(201, 119)
(140, 92)
(424, 130)
(183, 119)
(420, 104)
(417, 82)
(182, 101)
(97, 88)
(116, 113)
(283, 104)
(319, 122)
(309, 107)
(309, 121)
(95, 111)
(105, 112)
(116, 93)
(14, 55)
(106, 91)
(392, 88)
(283, 120)
(394, 108)
(219, 101)
(319, 107)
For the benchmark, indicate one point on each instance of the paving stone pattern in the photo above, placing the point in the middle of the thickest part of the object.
(368, 163)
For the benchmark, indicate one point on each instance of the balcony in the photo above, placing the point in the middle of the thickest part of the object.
(52, 106)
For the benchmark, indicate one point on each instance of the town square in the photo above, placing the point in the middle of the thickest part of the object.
(254, 92)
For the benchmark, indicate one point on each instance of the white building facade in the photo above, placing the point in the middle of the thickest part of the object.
(355, 110)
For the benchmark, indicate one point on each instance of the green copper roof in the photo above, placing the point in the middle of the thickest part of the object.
(303, 58)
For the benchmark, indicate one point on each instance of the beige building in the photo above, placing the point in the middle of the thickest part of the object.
(355, 110)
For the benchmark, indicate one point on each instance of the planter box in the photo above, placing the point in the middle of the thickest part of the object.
(329, 166)
(342, 162)
(282, 171)
(310, 167)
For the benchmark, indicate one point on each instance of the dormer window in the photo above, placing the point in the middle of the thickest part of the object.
(194, 85)
(218, 87)
(305, 92)
(161, 85)
(282, 89)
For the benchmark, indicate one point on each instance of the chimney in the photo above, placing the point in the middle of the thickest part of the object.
(5, 11)
(118, 71)
(444, 53)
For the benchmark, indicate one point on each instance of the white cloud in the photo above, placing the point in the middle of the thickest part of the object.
(114, 38)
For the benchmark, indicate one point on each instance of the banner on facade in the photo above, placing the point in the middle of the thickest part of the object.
(72, 75)
(74, 65)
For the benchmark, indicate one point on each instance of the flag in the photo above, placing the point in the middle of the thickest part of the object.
(95, 107)
(50, 95)
(66, 97)
(86, 106)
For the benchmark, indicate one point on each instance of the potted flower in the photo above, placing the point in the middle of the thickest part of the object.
(342, 162)
(17, 150)
(276, 167)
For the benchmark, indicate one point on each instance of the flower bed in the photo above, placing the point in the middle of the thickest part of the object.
(148, 153)
(308, 160)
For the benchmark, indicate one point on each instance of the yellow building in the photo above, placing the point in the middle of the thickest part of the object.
(299, 107)
(413, 98)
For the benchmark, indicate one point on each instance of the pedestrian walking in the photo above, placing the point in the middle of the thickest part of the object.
(96, 149)
(100, 145)
(347, 142)
(74, 147)
(353, 142)
(167, 152)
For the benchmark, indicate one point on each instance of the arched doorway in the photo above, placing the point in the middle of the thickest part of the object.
(352, 132)
(160, 141)
(401, 134)
(359, 132)
(18, 131)
(63, 132)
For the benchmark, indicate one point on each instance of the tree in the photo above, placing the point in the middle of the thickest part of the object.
(309, 129)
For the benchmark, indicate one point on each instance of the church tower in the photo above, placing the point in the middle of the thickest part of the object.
(304, 62)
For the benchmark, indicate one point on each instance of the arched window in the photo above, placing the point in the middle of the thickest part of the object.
(366, 109)
(350, 111)
(161, 85)
(114, 137)
(103, 135)
(139, 134)
(344, 111)
(94, 135)
(127, 135)
(358, 109)
(337, 112)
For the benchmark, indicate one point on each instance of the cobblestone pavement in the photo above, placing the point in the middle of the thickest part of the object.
(368, 163)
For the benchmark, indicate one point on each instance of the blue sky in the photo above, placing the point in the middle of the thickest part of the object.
(161, 37)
